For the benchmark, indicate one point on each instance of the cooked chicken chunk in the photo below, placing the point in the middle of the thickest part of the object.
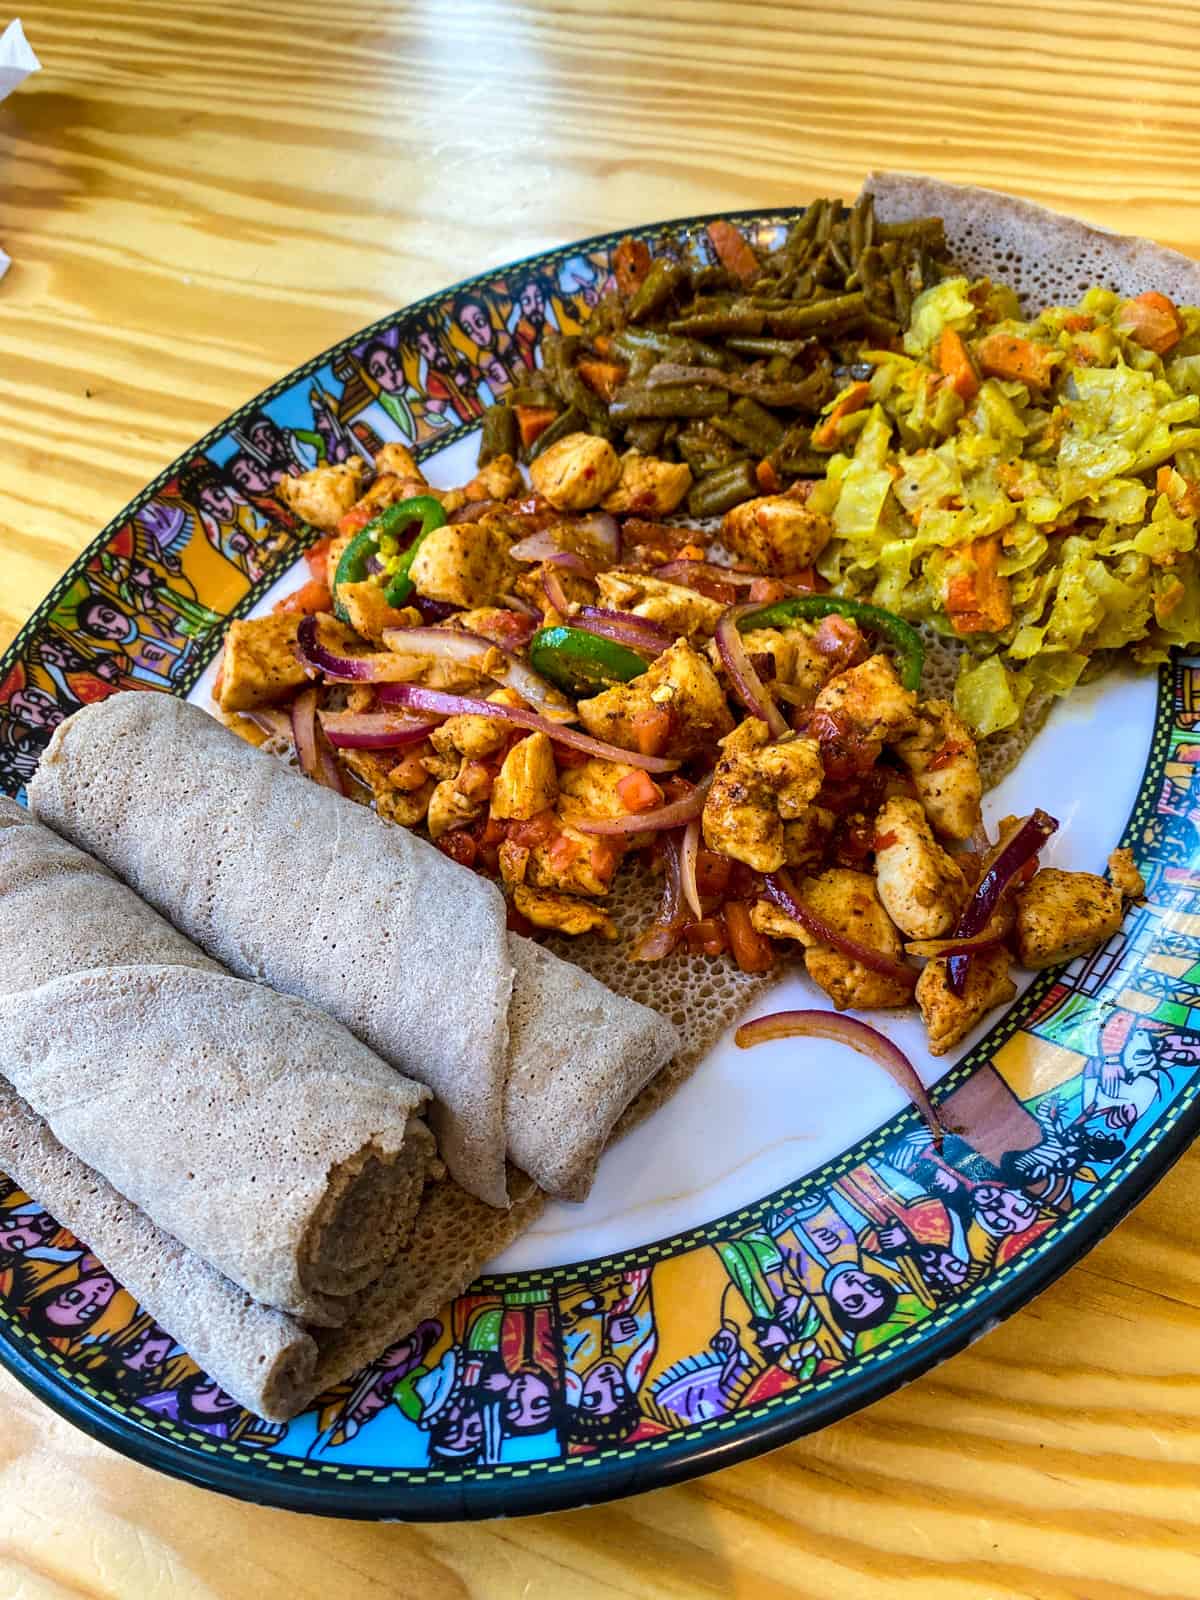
(591, 789)
(575, 862)
(757, 787)
(799, 670)
(1061, 915)
(847, 901)
(576, 473)
(648, 487)
(678, 694)
(450, 808)
(260, 664)
(474, 736)
(499, 480)
(806, 840)
(675, 606)
(465, 564)
(776, 533)
(941, 756)
(394, 801)
(527, 782)
(562, 913)
(399, 461)
(949, 1018)
(922, 888)
(1125, 877)
(366, 605)
(324, 495)
(870, 701)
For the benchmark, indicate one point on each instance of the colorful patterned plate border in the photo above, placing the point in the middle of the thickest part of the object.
(544, 1390)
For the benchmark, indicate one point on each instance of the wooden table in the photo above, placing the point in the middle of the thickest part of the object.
(198, 197)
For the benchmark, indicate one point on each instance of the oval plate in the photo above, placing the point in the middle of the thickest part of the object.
(653, 1334)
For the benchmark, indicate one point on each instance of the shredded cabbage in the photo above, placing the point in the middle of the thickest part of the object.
(1075, 453)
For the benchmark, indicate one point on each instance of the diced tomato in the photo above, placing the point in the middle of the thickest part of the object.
(843, 753)
(638, 791)
(517, 922)
(537, 830)
(317, 556)
(713, 872)
(565, 756)
(563, 852)
(1152, 321)
(751, 951)
(765, 591)
(459, 846)
(856, 840)
(707, 937)
(948, 753)
(744, 882)
(409, 772)
(840, 641)
(652, 730)
(356, 519)
(885, 841)
(314, 596)
(604, 855)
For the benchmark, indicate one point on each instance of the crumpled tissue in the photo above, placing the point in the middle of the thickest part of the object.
(17, 61)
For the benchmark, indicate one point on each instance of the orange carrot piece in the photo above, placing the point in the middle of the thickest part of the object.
(1004, 355)
(1152, 321)
(977, 597)
(734, 254)
(638, 791)
(604, 377)
(751, 951)
(651, 730)
(769, 480)
(631, 263)
(824, 435)
(532, 422)
(953, 360)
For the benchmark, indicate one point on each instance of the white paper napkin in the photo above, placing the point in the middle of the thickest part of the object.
(17, 61)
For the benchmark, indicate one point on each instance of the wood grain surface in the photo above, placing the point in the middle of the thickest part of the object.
(198, 196)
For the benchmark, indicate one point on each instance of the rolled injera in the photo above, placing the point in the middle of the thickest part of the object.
(249, 1125)
(286, 882)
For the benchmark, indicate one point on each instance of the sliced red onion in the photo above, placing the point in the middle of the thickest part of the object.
(475, 510)
(859, 1036)
(931, 949)
(543, 546)
(681, 570)
(781, 892)
(673, 815)
(381, 667)
(1020, 850)
(553, 590)
(602, 532)
(689, 850)
(747, 684)
(316, 759)
(432, 610)
(277, 724)
(373, 730)
(441, 704)
(663, 934)
(472, 649)
(514, 602)
(626, 627)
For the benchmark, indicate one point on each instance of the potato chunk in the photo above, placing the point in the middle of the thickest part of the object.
(922, 888)
(1060, 915)
(949, 1017)
(577, 472)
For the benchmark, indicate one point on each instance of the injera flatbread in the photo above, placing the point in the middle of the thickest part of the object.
(248, 1124)
(287, 882)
